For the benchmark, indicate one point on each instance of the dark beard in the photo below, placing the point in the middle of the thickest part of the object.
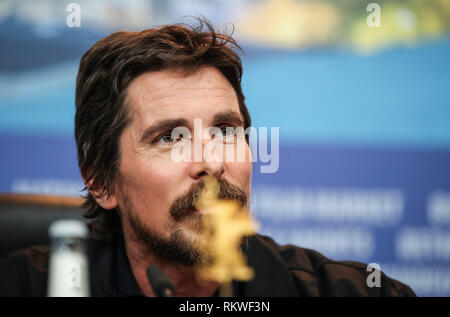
(179, 248)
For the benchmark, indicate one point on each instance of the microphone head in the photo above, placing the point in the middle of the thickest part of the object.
(159, 281)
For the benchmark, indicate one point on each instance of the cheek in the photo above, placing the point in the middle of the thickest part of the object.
(149, 183)
(148, 169)
(150, 195)
(155, 184)
(243, 170)
(241, 174)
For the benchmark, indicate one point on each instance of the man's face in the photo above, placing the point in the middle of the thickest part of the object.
(150, 181)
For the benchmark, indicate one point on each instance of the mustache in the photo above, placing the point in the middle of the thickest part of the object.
(184, 205)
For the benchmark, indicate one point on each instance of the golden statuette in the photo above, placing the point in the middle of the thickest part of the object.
(226, 224)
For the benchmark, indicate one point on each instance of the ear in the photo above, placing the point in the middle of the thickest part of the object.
(106, 201)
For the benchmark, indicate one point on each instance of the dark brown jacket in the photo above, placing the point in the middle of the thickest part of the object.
(279, 271)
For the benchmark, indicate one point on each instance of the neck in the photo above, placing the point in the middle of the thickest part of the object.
(182, 277)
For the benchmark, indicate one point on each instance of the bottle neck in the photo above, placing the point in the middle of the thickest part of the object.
(66, 244)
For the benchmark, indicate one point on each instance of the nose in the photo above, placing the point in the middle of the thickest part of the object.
(212, 165)
(201, 169)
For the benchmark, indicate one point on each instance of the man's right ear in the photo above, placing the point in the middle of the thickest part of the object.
(106, 201)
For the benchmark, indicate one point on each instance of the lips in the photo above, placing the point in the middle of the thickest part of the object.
(193, 210)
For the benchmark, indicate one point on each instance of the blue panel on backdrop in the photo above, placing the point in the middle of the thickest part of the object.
(40, 165)
(387, 206)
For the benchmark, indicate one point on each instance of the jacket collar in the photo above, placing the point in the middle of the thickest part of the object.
(101, 255)
(271, 276)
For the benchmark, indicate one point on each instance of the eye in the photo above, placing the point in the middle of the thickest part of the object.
(166, 139)
(227, 131)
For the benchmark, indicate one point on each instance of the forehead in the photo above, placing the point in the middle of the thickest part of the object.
(161, 94)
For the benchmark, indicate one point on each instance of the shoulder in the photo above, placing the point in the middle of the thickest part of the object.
(317, 275)
(23, 272)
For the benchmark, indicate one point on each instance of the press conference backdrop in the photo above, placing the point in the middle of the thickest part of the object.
(363, 115)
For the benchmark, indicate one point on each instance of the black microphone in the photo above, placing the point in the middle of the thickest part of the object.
(159, 281)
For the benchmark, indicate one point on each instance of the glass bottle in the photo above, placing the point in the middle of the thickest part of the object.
(68, 267)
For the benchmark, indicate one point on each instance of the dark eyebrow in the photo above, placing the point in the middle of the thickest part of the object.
(170, 124)
(163, 125)
(229, 117)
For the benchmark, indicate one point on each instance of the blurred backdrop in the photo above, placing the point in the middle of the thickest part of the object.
(363, 112)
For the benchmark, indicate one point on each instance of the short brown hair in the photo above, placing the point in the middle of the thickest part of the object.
(105, 73)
